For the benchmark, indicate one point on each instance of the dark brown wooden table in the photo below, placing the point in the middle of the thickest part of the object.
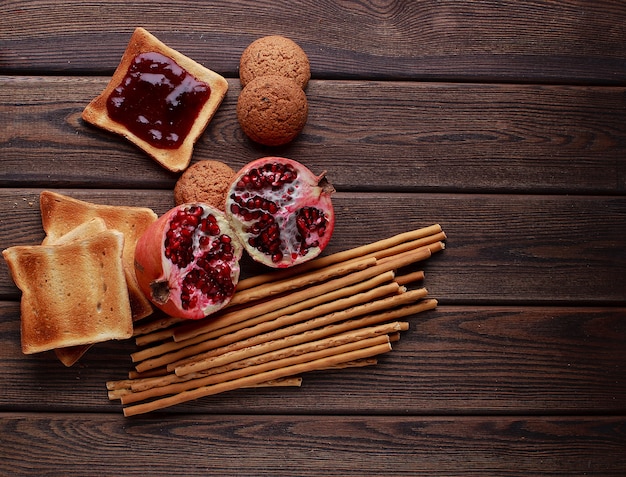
(505, 122)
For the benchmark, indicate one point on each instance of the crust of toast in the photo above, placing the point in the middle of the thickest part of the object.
(61, 214)
(172, 159)
(72, 294)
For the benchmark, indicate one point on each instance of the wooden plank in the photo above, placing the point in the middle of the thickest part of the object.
(545, 249)
(546, 41)
(452, 360)
(69, 444)
(424, 137)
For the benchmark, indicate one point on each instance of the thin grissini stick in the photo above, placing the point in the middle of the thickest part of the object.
(299, 281)
(155, 336)
(301, 367)
(357, 363)
(133, 374)
(346, 331)
(317, 331)
(253, 370)
(319, 290)
(267, 291)
(286, 346)
(391, 264)
(347, 316)
(151, 325)
(160, 330)
(115, 394)
(323, 274)
(408, 278)
(394, 337)
(118, 392)
(255, 316)
(281, 382)
(172, 378)
(348, 291)
(405, 247)
(342, 256)
(264, 327)
(432, 248)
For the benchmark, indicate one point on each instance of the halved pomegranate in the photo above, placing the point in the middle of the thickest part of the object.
(281, 211)
(187, 262)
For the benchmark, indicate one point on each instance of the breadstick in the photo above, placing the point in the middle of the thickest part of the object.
(260, 369)
(286, 346)
(301, 367)
(357, 363)
(406, 246)
(143, 328)
(341, 256)
(314, 301)
(218, 327)
(277, 349)
(342, 332)
(392, 263)
(280, 382)
(162, 331)
(280, 327)
(328, 330)
(277, 287)
(409, 278)
(366, 321)
(117, 393)
(341, 304)
(133, 374)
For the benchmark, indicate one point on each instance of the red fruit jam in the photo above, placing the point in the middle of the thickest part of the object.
(157, 100)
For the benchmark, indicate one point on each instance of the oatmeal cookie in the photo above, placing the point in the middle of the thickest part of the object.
(205, 181)
(274, 55)
(272, 110)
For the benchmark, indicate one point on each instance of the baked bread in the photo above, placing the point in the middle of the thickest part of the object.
(274, 55)
(272, 110)
(206, 182)
(61, 214)
(70, 355)
(158, 99)
(72, 294)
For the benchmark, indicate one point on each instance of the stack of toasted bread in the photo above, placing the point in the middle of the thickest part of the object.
(79, 287)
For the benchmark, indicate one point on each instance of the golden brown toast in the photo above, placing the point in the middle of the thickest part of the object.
(176, 156)
(61, 214)
(71, 354)
(72, 294)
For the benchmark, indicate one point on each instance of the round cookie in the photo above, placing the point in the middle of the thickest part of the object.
(205, 181)
(274, 55)
(272, 110)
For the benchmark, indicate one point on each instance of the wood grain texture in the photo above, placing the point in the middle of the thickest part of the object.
(452, 360)
(387, 135)
(505, 122)
(574, 41)
(312, 446)
(546, 249)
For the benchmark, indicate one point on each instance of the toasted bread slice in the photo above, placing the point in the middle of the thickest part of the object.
(60, 214)
(84, 230)
(72, 294)
(176, 156)
(70, 355)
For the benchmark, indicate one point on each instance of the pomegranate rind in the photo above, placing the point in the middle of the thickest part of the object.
(164, 283)
(282, 219)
